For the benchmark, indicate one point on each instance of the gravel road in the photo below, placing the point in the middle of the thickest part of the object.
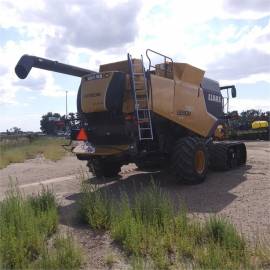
(242, 195)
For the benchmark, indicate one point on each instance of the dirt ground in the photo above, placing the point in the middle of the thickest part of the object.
(241, 195)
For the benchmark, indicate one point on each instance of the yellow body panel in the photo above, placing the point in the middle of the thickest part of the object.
(187, 73)
(176, 94)
(182, 103)
(93, 92)
(122, 66)
(162, 95)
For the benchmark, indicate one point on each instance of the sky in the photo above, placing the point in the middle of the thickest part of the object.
(229, 39)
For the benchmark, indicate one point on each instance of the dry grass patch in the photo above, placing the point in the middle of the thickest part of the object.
(19, 152)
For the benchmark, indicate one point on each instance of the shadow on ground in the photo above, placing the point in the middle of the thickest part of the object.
(209, 197)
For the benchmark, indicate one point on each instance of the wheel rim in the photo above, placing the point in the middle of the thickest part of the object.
(199, 161)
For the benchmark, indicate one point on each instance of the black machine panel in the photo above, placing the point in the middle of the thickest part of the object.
(115, 93)
(213, 97)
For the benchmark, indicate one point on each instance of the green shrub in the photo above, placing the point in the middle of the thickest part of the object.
(95, 207)
(153, 232)
(223, 233)
(25, 227)
(62, 255)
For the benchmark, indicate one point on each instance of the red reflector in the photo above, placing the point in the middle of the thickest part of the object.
(129, 117)
(82, 136)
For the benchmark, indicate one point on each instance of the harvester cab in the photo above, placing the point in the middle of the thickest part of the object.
(165, 116)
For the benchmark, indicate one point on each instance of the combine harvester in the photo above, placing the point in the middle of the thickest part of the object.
(163, 117)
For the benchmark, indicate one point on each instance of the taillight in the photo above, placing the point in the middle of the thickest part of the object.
(129, 117)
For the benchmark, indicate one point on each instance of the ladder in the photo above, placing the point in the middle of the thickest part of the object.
(140, 93)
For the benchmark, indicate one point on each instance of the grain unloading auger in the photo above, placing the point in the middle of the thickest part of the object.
(163, 117)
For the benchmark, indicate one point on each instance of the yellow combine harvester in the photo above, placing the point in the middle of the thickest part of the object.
(166, 116)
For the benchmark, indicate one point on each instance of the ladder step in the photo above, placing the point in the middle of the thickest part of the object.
(138, 73)
(143, 110)
(140, 90)
(143, 120)
(145, 128)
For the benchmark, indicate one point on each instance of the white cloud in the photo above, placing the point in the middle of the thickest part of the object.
(42, 82)
(251, 79)
(87, 33)
(246, 104)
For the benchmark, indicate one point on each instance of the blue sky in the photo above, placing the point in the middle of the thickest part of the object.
(229, 39)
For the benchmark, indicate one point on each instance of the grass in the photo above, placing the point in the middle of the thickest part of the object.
(27, 226)
(62, 255)
(19, 152)
(110, 260)
(156, 235)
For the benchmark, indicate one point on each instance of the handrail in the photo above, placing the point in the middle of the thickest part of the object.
(160, 54)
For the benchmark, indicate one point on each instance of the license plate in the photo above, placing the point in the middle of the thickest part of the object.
(88, 147)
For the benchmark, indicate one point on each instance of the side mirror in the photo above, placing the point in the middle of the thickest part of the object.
(233, 91)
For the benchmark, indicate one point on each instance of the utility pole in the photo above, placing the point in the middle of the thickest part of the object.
(66, 105)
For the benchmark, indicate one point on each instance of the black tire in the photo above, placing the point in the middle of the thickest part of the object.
(184, 160)
(104, 167)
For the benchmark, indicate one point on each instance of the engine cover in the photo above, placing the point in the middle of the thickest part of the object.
(102, 92)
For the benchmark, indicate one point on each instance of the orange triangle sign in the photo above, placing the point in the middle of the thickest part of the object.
(82, 136)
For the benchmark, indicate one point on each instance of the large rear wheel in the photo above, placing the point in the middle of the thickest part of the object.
(101, 167)
(189, 160)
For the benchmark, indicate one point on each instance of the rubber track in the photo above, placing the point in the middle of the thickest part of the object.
(219, 159)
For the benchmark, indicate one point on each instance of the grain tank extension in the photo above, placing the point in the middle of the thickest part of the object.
(165, 116)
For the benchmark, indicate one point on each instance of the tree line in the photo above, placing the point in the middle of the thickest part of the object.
(244, 119)
(54, 123)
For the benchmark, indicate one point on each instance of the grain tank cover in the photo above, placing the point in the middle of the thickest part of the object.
(188, 73)
(180, 71)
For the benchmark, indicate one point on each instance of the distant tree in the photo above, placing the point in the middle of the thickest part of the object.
(72, 121)
(14, 130)
(51, 123)
(47, 123)
(71, 118)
